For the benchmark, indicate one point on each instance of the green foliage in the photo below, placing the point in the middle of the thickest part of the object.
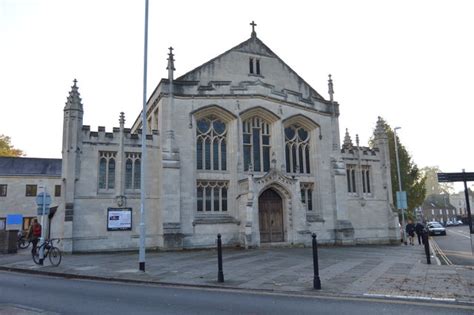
(6, 149)
(413, 181)
(433, 187)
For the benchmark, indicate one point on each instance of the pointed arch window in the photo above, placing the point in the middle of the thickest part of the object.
(211, 144)
(351, 179)
(132, 170)
(297, 149)
(256, 143)
(107, 170)
(212, 196)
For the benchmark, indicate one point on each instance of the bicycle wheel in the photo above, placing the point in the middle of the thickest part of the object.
(54, 256)
(36, 257)
(23, 243)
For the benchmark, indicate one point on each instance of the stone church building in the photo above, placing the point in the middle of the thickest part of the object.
(240, 146)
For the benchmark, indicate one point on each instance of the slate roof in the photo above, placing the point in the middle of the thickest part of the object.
(437, 202)
(21, 166)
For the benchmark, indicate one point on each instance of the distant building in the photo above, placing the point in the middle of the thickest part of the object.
(20, 179)
(458, 200)
(438, 208)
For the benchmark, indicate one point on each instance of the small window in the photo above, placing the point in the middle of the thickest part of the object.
(31, 190)
(3, 222)
(57, 191)
(251, 65)
(3, 190)
(257, 66)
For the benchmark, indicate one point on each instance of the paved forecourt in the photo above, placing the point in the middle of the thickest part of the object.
(371, 271)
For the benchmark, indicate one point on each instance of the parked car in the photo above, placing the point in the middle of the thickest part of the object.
(435, 228)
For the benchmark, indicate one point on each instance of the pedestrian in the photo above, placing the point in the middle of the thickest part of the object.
(410, 229)
(419, 228)
(34, 234)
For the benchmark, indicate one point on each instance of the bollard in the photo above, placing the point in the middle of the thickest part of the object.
(220, 273)
(427, 246)
(316, 280)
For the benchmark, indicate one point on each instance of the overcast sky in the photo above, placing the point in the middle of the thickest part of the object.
(410, 62)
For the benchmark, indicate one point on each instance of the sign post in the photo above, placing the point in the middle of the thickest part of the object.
(43, 201)
(461, 177)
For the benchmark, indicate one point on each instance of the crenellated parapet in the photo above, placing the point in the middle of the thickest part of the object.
(101, 136)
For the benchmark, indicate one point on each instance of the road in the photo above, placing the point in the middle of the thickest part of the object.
(456, 245)
(34, 294)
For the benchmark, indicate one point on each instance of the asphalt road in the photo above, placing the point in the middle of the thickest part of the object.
(456, 245)
(33, 294)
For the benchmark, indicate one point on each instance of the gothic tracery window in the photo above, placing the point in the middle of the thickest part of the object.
(256, 144)
(211, 196)
(307, 195)
(107, 170)
(351, 179)
(365, 174)
(297, 150)
(211, 147)
(132, 170)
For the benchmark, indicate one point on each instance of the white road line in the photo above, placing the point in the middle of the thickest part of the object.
(426, 298)
(460, 234)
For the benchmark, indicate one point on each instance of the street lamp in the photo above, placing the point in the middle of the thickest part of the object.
(399, 183)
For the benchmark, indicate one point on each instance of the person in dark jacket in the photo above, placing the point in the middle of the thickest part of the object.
(410, 229)
(419, 231)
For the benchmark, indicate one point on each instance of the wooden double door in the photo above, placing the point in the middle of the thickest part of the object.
(270, 212)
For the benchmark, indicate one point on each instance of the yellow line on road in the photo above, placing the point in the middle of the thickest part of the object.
(440, 253)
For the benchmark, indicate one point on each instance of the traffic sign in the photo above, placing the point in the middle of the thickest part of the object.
(402, 200)
(40, 210)
(43, 198)
(455, 177)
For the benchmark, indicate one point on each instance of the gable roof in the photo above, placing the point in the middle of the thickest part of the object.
(21, 166)
(254, 46)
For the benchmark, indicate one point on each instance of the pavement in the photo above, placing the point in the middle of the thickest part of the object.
(398, 272)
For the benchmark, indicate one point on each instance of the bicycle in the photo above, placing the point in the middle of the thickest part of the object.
(53, 253)
(23, 242)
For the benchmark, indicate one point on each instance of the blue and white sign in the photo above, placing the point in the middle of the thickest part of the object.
(402, 200)
(43, 198)
(43, 201)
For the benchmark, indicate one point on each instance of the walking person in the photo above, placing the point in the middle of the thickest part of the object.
(410, 229)
(419, 232)
(34, 234)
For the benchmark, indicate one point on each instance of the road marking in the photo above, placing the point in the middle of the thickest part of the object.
(408, 297)
(440, 252)
(460, 234)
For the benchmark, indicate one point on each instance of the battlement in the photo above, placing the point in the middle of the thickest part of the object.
(102, 136)
(365, 151)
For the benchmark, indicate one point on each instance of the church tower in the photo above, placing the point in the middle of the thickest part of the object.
(71, 150)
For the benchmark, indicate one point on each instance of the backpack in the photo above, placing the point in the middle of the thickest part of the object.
(37, 230)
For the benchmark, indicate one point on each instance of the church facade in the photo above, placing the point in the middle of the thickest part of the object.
(240, 146)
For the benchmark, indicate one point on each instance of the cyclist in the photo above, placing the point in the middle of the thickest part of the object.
(34, 234)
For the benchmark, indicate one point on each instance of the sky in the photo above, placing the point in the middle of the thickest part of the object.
(408, 61)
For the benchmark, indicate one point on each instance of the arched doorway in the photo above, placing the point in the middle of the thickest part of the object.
(270, 217)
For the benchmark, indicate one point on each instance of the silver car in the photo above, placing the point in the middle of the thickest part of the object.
(436, 228)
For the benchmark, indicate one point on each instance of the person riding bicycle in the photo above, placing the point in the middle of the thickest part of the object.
(34, 234)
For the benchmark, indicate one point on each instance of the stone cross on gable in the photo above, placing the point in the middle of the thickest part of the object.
(253, 28)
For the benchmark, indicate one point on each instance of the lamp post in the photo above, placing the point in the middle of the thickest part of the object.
(399, 183)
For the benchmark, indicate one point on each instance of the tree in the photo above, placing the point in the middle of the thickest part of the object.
(413, 181)
(432, 185)
(7, 149)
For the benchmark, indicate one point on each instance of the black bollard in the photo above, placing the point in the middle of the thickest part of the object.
(316, 280)
(427, 246)
(220, 273)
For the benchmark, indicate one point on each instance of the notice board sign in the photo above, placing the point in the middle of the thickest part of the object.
(119, 219)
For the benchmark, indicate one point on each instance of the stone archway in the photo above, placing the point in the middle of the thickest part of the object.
(270, 213)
